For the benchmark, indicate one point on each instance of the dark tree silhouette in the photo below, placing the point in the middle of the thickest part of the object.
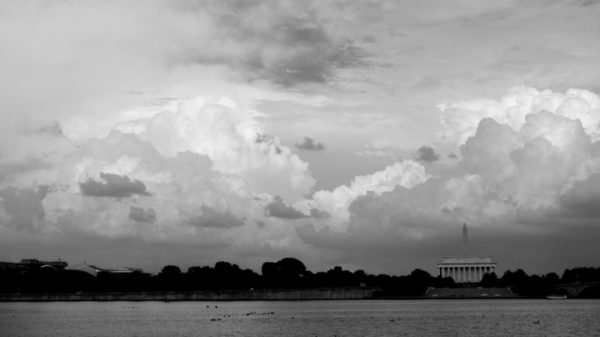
(489, 280)
(285, 273)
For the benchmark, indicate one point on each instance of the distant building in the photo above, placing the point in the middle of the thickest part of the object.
(94, 271)
(32, 264)
(89, 269)
(466, 269)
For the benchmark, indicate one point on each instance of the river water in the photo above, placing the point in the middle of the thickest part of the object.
(304, 318)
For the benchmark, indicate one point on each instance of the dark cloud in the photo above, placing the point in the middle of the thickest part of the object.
(309, 144)
(52, 129)
(114, 185)
(140, 214)
(426, 153)
(586, 3)
(269, 140)
(291, 45)
(215, 219)
(23, 206)
(278, 209)
(9, 169)
(583, 199)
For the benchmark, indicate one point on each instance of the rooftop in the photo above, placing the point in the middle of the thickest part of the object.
(467, 260)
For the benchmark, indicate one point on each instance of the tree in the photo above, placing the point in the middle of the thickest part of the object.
(170, 271)
(489, 280)
(287, 272)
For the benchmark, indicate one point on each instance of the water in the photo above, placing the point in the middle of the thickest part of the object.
(310, 318)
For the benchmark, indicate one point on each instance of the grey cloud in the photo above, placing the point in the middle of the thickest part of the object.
(52, 129)
(309, 144)
(583, 199)
(140, 214)
(586, 3)
(23, 206)
(319, 214)
(215, 219)
(270, 140)
(426, 153)
(114, 185)
(278, 209)
(291, 45)
(28, 164)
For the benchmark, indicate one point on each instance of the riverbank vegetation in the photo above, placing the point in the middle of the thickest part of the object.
(287, 273)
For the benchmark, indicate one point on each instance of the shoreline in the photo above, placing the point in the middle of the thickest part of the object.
(180, 296)
(225, 296)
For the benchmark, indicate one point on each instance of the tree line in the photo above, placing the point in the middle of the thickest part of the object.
(287, 273)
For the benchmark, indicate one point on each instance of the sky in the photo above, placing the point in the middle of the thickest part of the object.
(354, 133)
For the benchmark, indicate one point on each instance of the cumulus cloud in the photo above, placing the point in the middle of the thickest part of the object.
(427, 154)
(21, 208)
(113, 185)
(181, 185)
(278, 209)
(336, 202)
(462, 118)
(582, 200)
(309, 144)
(230, 136)
(140, 214)
(214, 219)
(538, 175)
(286, 42)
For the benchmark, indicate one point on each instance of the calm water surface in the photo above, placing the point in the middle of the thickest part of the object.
(311, 318)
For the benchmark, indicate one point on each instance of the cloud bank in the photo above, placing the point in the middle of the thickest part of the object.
(525, 168)
(204, 172)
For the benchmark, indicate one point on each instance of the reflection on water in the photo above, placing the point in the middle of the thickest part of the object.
(310, 318)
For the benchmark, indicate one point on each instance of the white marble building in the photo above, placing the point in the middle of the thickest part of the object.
(466, 269)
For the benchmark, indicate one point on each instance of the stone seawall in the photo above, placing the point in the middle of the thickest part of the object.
(246, 295)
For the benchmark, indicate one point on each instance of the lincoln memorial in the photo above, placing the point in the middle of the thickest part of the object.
(466, 269)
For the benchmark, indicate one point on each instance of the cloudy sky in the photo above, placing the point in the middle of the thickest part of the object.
(360, 134)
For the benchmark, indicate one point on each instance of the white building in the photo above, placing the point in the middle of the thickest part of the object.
(466, 269)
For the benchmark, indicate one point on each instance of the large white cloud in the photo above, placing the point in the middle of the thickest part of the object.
(198, 171)
(522, 168)
(336, 202)
(232, 139)
(462, 118)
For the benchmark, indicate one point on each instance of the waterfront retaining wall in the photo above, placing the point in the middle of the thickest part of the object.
(245, 295)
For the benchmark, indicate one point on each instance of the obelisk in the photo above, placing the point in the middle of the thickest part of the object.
(465, 240)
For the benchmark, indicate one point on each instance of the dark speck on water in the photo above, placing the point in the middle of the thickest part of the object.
(468, 318)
